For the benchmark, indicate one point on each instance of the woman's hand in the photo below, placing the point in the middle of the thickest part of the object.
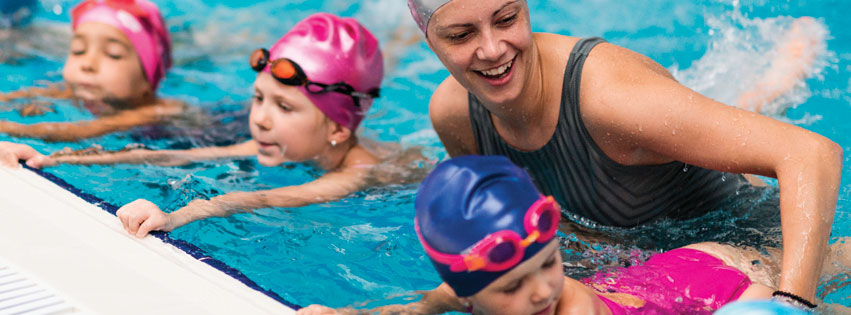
(141, 216)
(11, 153)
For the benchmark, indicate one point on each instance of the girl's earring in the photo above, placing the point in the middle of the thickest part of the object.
(333, 143)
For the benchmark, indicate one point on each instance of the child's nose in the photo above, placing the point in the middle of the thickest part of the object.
(542, 289)
(89, 62)
(260, 118)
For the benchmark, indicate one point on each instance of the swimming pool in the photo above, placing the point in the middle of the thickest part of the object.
(363, 248)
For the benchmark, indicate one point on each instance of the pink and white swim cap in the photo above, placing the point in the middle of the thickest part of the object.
(143, 24)
(332, 49)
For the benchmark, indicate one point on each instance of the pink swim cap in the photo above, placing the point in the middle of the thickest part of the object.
(143, 24)
(331, 49)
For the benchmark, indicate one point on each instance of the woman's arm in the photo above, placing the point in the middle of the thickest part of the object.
(438, 301)
(68, 132)
(141, 216)
(650, 113)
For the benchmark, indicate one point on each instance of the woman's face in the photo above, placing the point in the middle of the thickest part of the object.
(486, 45)
(104, 66)
(533, 287)
(285, 123)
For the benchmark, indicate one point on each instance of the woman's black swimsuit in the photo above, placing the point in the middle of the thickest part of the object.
(586, 182)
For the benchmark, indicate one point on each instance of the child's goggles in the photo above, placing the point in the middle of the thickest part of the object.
(504, 249)
(290, 73)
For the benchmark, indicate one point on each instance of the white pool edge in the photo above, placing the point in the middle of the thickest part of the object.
(82, 251)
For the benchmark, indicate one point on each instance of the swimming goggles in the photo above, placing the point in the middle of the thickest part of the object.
(504, 249)
(290, 73)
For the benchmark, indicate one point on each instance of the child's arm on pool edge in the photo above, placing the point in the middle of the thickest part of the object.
(10, 153)
(141, 216)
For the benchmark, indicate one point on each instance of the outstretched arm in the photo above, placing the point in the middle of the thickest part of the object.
(141, 216)
(63, 131)
(53, 91)
(11, 153)
(438, 301)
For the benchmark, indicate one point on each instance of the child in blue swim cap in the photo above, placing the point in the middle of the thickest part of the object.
(491, 237)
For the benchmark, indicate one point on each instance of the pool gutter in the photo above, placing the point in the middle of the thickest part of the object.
(81, 251)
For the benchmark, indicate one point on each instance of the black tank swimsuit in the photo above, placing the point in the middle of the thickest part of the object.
(587, 183)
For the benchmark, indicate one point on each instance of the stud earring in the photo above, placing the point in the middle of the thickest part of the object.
(333, 143)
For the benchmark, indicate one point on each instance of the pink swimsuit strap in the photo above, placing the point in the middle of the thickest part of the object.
(679, 281)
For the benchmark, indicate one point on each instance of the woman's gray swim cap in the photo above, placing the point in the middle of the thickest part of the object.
(423, 9)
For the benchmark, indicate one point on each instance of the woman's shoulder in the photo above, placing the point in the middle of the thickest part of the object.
(449, 105)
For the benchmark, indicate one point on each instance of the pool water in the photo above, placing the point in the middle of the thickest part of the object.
(363, 248)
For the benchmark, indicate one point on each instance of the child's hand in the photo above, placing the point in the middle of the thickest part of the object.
(141, 216)
(11, 153)
(317, 310)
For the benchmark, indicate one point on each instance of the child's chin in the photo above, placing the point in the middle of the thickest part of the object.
(268, 160)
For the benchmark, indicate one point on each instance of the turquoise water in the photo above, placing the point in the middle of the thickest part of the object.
(363, 248)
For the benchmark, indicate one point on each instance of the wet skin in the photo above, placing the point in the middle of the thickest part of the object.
(634, 111)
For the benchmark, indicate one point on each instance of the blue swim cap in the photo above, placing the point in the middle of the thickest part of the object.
(16, 12)
(763, 307)
(465, 199)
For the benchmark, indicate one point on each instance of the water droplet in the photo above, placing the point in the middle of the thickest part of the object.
(57, 9)
(723, 178)
(685, 168)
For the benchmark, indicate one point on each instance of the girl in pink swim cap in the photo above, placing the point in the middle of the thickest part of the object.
(312, 90)
(120, 51)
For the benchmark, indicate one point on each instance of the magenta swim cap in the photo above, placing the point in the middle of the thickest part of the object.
(331, 49)
(141, 22)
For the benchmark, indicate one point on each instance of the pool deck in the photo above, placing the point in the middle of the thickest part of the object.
(82, 252)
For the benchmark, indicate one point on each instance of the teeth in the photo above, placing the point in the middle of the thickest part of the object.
(498, 70)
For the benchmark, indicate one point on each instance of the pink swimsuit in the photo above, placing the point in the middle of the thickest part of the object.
(680, 281)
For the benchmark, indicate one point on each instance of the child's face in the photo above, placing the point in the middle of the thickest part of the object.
(285, 123)
(103, 66)
(533, 287)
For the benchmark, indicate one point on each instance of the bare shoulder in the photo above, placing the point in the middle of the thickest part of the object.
(449, 104)
(450, 116)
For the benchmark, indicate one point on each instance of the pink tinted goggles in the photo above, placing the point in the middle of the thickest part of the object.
(504, 249)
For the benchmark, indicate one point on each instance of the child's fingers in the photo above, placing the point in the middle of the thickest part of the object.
(136, 221)
(147, 226)
(7, 159)
(122, 216)
(317, 310)
(40, 161)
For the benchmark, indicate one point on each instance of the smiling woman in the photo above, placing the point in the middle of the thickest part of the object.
(619, 141)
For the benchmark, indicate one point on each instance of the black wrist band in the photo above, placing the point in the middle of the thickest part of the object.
(796, 298)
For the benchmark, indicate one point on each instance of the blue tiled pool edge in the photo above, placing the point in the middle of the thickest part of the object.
(184, 246)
